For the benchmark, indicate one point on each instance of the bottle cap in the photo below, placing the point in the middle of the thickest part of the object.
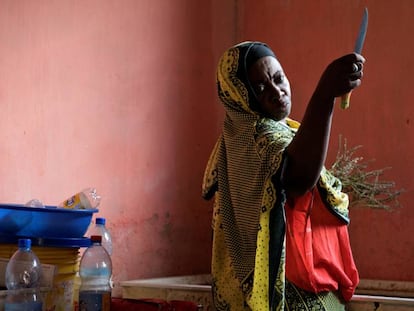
(24, 243)
(96, 238)
(100, 221)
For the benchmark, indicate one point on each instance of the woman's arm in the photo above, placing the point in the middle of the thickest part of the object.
(307, 152)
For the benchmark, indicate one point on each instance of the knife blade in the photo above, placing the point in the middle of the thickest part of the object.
(359, 43)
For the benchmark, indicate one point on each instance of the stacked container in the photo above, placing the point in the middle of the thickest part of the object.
(57, 239)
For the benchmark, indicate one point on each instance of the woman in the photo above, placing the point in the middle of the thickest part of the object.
(280, 218)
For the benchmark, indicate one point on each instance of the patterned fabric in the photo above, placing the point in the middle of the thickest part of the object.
(243, 174)
(300, 300)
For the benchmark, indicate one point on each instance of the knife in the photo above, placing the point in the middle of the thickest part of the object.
(358, 49)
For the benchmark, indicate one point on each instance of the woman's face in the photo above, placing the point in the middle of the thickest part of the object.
(272, 88)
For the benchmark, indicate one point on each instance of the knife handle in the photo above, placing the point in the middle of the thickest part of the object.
(345, 100)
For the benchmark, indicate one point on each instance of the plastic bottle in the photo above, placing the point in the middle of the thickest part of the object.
(86, 199)
(23, 273)
(95, 273)
(101, 229)
(34, 203)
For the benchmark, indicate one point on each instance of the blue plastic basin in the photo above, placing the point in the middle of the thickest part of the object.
(50, 221)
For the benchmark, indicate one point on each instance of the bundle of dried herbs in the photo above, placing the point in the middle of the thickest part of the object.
(364, 186)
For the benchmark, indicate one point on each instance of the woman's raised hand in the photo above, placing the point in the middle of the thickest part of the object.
(341, 76)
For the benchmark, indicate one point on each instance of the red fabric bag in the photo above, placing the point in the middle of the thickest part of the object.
(318, 252)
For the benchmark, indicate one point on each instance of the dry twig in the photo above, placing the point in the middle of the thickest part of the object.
(364, 187)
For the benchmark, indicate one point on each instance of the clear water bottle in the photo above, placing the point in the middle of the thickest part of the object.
(23, 274)
(95, 274)
(34, 203)
(86, 199)
(101, 229)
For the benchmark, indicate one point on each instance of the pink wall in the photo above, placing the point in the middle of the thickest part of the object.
(120, 95)
(306, 35)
